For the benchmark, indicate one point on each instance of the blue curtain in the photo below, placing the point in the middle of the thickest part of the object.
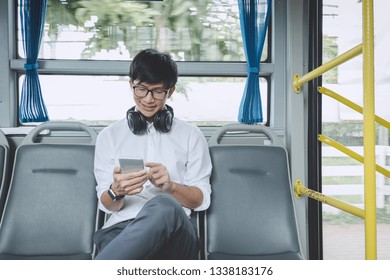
(32, 14)
(254, 16)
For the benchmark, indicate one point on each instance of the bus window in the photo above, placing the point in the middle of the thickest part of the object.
(343, 176)
(101, 100)
(189, 30)
(86, 42)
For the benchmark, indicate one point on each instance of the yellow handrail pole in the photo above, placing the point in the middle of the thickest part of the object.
(300, 189)
(350, 153)
(369, 130)
(299, 81)
(351, 104)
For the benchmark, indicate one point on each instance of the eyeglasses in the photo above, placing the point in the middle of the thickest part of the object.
(158, 94)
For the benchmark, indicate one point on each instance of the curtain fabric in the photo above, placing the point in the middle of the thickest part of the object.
(32, 14)
(254, 16)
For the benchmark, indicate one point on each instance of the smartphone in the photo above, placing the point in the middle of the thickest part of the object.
(131, 164)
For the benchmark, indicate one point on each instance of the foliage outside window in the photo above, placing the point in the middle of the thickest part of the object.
(191, 30)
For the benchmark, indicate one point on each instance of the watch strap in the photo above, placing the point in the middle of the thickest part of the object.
(113, 195)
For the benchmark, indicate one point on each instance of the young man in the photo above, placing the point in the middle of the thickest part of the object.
(149, 209)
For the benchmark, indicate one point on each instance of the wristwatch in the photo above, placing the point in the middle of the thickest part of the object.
(113, 195)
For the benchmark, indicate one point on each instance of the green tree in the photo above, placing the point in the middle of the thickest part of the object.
(177, 14)
(110, 21)
(172, 25)
(58, 14)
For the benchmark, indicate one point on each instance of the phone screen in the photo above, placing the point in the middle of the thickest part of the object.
(131, 164)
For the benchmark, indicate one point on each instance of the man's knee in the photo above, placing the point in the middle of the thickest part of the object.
(165, 203)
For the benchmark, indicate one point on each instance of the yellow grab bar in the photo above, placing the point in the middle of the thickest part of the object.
(351, 104)
(300, 189)
(299, 81)
(369, 129)
(350, 153)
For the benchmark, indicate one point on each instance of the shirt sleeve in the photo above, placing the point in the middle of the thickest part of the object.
(199, 167)
(103, 166)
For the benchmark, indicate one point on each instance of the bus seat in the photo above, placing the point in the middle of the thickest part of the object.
(251, 215)
(4, 167)
(51, 207)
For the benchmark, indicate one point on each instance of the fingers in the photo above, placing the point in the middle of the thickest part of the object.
(117, 170)
(134, 185)
(118, 176)
(128, 183)
(155, 168)
(135, 191)
(158, 179)
(152, 164)
(158, 174)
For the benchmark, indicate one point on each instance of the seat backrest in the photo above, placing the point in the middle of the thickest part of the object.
(51, 207)
(4, 166)
(251, 215)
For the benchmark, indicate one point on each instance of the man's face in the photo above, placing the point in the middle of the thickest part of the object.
(149, 105)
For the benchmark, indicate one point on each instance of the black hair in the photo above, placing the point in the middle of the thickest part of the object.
(154, 67)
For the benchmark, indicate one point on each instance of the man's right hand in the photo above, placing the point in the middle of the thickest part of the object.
(128, 183)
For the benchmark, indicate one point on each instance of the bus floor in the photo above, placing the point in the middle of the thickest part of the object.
(347, 241)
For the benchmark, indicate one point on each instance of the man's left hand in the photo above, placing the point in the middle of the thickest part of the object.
(158, 175)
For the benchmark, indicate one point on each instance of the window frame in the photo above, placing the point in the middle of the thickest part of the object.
(15, 66)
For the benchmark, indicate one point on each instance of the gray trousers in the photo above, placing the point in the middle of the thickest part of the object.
(161, 230)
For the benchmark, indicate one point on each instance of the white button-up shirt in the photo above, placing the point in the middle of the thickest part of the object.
(183, 150)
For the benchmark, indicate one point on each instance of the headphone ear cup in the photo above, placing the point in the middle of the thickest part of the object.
(163, 120)
(136, 121)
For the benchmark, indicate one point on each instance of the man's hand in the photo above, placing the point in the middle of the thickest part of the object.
(158, 175)
(128, 183)
(188, 196)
